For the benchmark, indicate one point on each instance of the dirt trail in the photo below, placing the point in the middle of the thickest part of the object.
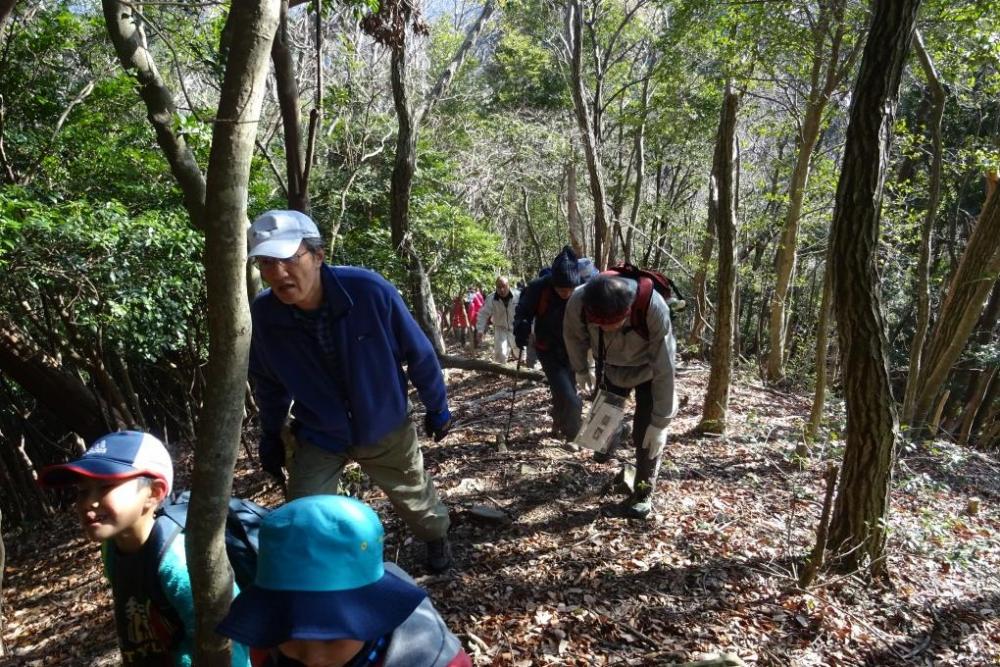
(567, 582)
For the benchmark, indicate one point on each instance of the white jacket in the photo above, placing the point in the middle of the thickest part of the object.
(502, 314)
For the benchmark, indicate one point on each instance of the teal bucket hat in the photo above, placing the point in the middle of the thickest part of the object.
(320, 576)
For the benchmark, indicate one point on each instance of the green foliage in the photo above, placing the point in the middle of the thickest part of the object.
(455, 248)
(525, 74)
(87, 276)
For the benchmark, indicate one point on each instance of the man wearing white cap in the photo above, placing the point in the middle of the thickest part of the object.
(330, 342)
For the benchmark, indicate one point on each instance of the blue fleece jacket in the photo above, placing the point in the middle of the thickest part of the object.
(365, 399)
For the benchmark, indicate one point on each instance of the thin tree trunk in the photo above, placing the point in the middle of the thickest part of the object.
(422, 298)
(937, 94)
(124, 25)
(587, 124)
(971, 411)
(699, 318)
(6, 7)
(822, 85)
(253, 26)
(822, 343)
(291, 118)
(967, 291)
(860, 516)
(531, 229)
(716, 408)
(576, 237)
(640, 167)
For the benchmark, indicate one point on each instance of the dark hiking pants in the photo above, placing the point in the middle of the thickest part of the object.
(566, 404)
(646, 469)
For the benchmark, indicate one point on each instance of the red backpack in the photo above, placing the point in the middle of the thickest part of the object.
(648, 280)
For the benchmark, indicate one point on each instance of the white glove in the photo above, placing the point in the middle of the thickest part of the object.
(586, 380)
(654, 440)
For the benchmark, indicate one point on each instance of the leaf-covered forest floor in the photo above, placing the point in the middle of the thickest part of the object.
(567, 582)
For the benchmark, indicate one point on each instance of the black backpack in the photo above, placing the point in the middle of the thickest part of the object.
(648, 281)
(242, 527)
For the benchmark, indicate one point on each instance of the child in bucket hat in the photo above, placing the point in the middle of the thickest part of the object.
(323, 595)
(120, 481)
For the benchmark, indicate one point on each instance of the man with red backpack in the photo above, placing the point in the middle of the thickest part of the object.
(623, 317)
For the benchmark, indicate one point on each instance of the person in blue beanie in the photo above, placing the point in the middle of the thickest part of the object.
(543, 304)
(330, 342)
(323, 597)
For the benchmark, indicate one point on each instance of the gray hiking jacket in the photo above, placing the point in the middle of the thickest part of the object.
(629, 359)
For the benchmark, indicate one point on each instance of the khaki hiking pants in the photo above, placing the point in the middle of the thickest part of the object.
(395, 464)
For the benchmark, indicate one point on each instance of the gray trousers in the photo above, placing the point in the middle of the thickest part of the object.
(395, 464)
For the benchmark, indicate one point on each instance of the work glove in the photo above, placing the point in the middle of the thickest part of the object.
(522, 332)
(654, 440)
(272, 457)
(437, 424)
(585, 381)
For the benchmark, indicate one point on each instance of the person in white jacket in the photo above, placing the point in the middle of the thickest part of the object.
(626, 324)
(500, 307)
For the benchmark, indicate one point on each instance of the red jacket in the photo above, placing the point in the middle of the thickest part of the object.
(458, 316)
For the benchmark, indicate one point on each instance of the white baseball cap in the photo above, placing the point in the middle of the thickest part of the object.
(279, 233)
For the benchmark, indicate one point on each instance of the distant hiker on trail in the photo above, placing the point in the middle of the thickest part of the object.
(500, 306)
(331, 343)
(474, 301)
(628, 330)
(459, 319)
(543, 303)
(120, 482)
(324, 596)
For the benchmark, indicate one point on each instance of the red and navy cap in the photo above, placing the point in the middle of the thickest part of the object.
(116, 456)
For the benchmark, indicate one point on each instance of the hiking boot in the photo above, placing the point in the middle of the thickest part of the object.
(438, 555)
(635, 508)
(602, 457)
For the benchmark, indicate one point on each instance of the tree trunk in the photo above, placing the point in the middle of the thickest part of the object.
(969, 286)
(926, 232)
(124, 24)
(822, 85)
(6, 7)
(577, 238)
(574, 37)
(699, 318)
(253, 25)
(971, 411)
(822, 343)
(640, 167)
(531, 229)
(858, 527)
(422, 298)
(716, 408)
(291, 118)
(399, 204)
(62, 393)
(986, 331)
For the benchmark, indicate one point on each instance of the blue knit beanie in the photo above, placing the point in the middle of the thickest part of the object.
(565, 269)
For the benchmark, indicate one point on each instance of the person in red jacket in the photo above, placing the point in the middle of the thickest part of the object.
(474, 301)
(323, 596)
(459, 319)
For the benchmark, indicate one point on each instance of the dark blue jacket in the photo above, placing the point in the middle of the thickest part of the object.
(375, 335)
(540, 304)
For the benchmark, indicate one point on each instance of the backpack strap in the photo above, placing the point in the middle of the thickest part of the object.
(170, 522)
(640, 306)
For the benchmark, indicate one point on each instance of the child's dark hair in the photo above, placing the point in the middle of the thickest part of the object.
(605, 296)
